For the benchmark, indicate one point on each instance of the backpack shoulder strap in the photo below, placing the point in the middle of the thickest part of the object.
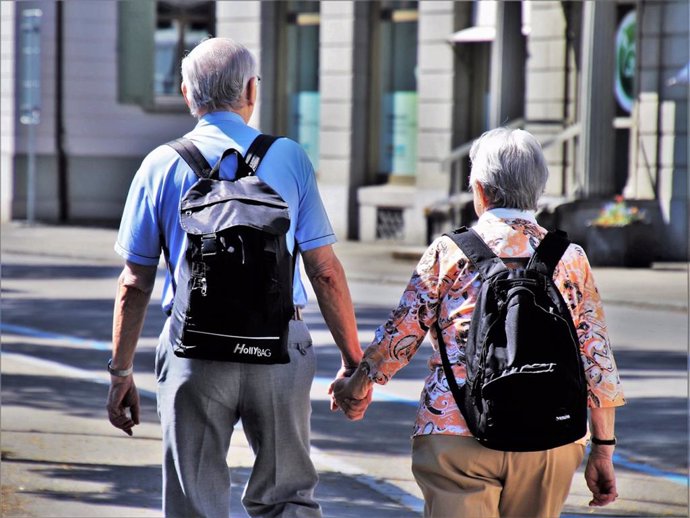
(549, 252)
(484, 260)
(191, 154)
(258, 149)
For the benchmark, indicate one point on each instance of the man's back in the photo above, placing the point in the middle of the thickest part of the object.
(164, 178)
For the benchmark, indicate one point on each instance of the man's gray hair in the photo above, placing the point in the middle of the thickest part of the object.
(510, 166)
(216, 73)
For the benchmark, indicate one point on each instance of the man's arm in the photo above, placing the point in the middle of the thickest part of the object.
(333, 295)
(599, 474)
(133, 295)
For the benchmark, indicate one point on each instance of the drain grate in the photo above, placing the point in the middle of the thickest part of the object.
(389, 223)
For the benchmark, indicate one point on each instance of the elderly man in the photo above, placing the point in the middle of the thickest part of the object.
(199, 401)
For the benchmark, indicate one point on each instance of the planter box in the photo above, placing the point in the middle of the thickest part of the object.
(630, 246)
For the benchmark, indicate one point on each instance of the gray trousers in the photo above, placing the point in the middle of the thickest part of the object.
(200, 401)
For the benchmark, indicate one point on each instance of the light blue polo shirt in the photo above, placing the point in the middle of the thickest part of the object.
(152, 207)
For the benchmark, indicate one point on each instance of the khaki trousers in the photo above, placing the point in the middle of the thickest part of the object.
(460, 478)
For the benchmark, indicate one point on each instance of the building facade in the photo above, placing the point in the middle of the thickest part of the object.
(385, 96)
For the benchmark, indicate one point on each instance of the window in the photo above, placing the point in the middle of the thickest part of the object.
(153, 37)
(179, 28)
(302, 67)
(397, 90)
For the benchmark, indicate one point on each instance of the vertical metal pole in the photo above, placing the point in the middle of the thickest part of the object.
(30, 106)
(31, 175)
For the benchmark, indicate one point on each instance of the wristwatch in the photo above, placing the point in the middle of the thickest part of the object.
(122, 373)
(603, 442)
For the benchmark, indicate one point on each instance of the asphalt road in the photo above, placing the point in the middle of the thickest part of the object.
(61, 310)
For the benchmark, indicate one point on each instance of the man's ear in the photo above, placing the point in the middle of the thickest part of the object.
(251, 91)
(183, 87)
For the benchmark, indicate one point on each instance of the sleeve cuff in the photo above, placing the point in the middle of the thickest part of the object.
(136, 258)
(311, 244)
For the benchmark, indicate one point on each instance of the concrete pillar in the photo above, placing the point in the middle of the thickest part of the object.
(507, 100)
(596, 100)
(643, 154)
(336, 83)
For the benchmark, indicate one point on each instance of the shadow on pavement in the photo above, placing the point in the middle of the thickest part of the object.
(59, 271)
(78, 398)
(89, 319)
(650, 426)
(127, 486)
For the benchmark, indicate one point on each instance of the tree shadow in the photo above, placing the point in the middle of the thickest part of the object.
(651, 360)
(70, 397)
(16, 271)
(128, 486)
(84, 358)
(140, 487)
(654, 430)
(89, 319)
(386, 429)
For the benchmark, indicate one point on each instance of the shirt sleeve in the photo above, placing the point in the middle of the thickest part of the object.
(313, 226)
(398, 339)
(138, 238)
(577, 284)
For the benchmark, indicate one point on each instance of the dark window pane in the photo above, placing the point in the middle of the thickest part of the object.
(179, 28)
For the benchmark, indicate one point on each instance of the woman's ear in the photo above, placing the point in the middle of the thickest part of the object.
(481, 202)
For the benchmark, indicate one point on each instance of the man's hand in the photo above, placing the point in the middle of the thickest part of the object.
(123, 395)
(343, 372)
(600, 477)
(352, 393)
(351, 401)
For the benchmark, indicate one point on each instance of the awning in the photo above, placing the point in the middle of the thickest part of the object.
(479, 34)
(475, 34)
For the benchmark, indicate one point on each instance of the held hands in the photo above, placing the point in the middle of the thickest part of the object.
(122, 395)
(351, 392)
(600, 476)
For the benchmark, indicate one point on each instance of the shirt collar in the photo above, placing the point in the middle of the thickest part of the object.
(221, 116)
(504, 214)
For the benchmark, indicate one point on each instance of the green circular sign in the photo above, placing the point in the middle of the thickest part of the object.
(624, 86)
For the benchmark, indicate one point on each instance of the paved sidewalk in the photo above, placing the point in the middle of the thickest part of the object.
(70, 461)
(665, 285)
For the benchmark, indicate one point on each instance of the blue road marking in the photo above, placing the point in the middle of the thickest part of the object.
(36, 333)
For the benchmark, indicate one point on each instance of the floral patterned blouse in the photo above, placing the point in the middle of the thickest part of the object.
(444, 288)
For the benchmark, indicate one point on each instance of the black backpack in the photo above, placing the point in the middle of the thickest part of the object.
(525, 388)
(234, 298)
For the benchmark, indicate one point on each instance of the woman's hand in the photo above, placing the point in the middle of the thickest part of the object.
(352, 394)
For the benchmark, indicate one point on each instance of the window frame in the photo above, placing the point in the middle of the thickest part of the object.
(136, 53)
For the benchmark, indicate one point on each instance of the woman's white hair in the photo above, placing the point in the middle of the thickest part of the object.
(216, 73)
(511, 168)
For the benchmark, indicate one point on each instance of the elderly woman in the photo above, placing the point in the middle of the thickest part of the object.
(458, 476)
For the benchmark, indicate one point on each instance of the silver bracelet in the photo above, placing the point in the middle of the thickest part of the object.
(122, 373)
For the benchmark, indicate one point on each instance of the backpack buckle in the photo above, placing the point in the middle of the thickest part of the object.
(209, 245)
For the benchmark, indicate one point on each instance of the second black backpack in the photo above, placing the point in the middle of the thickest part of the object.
(233, 301)
(525, 388)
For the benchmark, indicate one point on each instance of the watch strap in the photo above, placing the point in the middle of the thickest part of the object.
(603, 442)
(122, 373)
